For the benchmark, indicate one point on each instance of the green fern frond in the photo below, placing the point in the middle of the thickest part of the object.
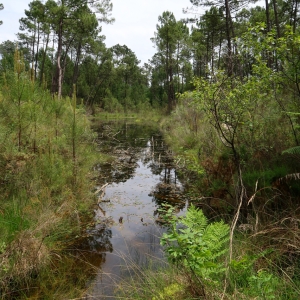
(216, 237)
(292, 176)
(198, 246)
(195, 219)
(294, 150)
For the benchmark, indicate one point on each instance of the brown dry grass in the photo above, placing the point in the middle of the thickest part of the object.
(27, 252)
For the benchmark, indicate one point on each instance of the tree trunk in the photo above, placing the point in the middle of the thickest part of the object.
(228, 36)
(177, 67)
(269, 61)
(171, 89)
(207, 55)
(59, 53)
(268, 16)
(37, 50)
(33, 53)
(276, 18)
(294, 14)
(76, 67)
(220, 49)
(44, 59)
(212, 52)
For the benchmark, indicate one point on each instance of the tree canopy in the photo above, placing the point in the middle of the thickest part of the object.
(1, 7)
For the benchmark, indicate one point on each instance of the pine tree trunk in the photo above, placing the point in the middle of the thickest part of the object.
(76, 68)
(59, 53)
(228, 36)
(294, 14)
(276, 18)
(37, 50)
(44, 59)
(33, 52)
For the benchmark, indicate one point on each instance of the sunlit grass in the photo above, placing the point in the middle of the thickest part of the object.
(153, 115)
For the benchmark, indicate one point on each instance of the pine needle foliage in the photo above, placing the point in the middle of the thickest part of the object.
(197, 245)
(46, 156)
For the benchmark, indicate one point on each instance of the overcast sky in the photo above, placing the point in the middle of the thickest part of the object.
(134, 26)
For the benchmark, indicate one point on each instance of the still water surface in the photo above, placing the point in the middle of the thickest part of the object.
(127, 219)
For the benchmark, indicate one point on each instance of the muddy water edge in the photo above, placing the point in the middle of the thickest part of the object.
(130, 191)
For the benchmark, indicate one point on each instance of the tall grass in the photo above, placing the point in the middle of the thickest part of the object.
(155, 280)
(256, 272)
(46, 155)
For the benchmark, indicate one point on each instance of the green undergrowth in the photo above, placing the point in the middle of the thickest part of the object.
(264, 261)
(46, 159)
(150, 115)
(199, 266)
(148, 282)
(66, 278)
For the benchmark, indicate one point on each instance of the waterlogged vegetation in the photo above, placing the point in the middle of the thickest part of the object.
(222, 199)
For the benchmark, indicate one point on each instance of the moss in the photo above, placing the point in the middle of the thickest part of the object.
(171, 291)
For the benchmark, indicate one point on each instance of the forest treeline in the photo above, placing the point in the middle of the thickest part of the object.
(63, 45)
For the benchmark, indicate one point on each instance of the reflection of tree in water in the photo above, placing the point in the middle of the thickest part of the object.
(99, 239)
(127, 143)
(168, 191)
(130, 143)
(94, 246)
(157, 156)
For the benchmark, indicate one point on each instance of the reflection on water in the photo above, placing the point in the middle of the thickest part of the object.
(141, 179)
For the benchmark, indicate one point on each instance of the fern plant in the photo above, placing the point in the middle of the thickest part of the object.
(293, 150)
(292, 176)
(197, 245)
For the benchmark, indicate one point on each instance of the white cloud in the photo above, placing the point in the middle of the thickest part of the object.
(10, 15)
(136, 23)
(134, 26)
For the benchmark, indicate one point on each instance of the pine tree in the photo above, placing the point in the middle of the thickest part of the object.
(1, 7)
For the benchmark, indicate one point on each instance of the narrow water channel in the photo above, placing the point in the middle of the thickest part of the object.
(127, 226)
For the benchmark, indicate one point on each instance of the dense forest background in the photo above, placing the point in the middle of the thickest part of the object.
(63, 45)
